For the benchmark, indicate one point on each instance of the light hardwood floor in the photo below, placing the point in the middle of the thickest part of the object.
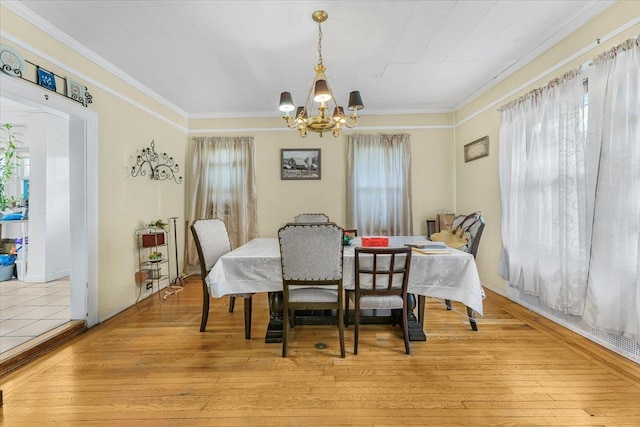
(150, 366)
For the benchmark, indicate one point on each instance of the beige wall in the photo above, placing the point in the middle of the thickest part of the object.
(279, 201)
(477, 182)
(128, 121)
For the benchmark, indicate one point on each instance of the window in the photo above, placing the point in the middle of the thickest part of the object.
(379, 184)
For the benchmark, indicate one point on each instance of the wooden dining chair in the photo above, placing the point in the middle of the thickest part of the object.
(212, 242)
(381, 281)
(311, 217)
(311, 258)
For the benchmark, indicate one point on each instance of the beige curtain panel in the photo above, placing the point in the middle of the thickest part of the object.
(222, 185)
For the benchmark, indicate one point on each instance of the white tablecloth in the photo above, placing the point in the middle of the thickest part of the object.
(255, 267)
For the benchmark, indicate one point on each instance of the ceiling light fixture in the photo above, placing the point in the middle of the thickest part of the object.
(322, 94)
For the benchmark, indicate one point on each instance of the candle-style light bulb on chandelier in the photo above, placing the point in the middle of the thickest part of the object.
(322, 94)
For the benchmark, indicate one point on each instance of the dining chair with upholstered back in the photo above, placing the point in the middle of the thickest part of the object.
(212, 242)
(381, 280)
(311, 257)
(311, 217)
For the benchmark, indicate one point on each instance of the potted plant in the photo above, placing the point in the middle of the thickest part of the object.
(155, 256)
(8, 165)
(158, 225)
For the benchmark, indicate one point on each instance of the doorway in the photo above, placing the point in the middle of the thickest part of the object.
(83, 190)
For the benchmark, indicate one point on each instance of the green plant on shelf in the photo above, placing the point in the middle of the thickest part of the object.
(158, 225)
(155, 256)
(8, 164)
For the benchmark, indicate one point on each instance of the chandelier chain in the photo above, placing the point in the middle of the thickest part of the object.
(320, 44)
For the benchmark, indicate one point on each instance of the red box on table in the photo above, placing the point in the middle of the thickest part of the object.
(375, 241)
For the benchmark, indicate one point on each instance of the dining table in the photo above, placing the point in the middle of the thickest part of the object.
(255, 267)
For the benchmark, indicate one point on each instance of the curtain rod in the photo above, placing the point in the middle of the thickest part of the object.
(613, 52)
(607, 55)
(540, 90)
(199, 139)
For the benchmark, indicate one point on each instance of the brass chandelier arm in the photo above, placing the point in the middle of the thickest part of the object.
(288, 119)
(354, 119)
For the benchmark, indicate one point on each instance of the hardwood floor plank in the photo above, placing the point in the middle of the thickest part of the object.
(150, 366)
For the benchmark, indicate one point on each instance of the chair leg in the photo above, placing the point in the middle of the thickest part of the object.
(472, 318)
(341, 331)
(356, 327)
(346, 309)
(205, 311)
(292, 319)
(285, 330)
(232, 303)
(405, 330)
(421, 306)
(248, 303)
(447, 303)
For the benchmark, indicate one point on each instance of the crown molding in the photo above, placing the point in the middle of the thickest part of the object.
(272, 114)
(550, 70)
(548, 44)
(62, 37)
(284, 129)
(89, 80)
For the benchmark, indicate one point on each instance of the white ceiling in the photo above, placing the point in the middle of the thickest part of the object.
(233, 58)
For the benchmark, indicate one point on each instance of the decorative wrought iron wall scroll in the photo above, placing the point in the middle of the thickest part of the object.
(161, 167)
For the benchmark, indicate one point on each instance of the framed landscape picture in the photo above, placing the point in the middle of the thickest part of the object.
(476, 149)
(300, 163)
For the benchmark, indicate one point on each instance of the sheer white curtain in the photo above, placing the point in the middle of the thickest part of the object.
(379, 184)
(613, 298)
(543, 180)
(222, 185)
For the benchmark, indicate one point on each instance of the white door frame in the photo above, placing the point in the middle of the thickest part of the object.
(83, 171)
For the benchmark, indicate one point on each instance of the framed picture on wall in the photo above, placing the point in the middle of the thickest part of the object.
(300, 163)
(476, 149)
(46, 79)
(75, 91)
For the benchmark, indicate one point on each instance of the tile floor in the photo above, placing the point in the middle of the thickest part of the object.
(28, 310)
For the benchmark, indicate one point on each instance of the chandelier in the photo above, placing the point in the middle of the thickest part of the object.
(322, 94)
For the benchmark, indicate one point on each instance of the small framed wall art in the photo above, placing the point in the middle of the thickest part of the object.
(75, 91)
(300, 163)
(46, 79)
(476, 149)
